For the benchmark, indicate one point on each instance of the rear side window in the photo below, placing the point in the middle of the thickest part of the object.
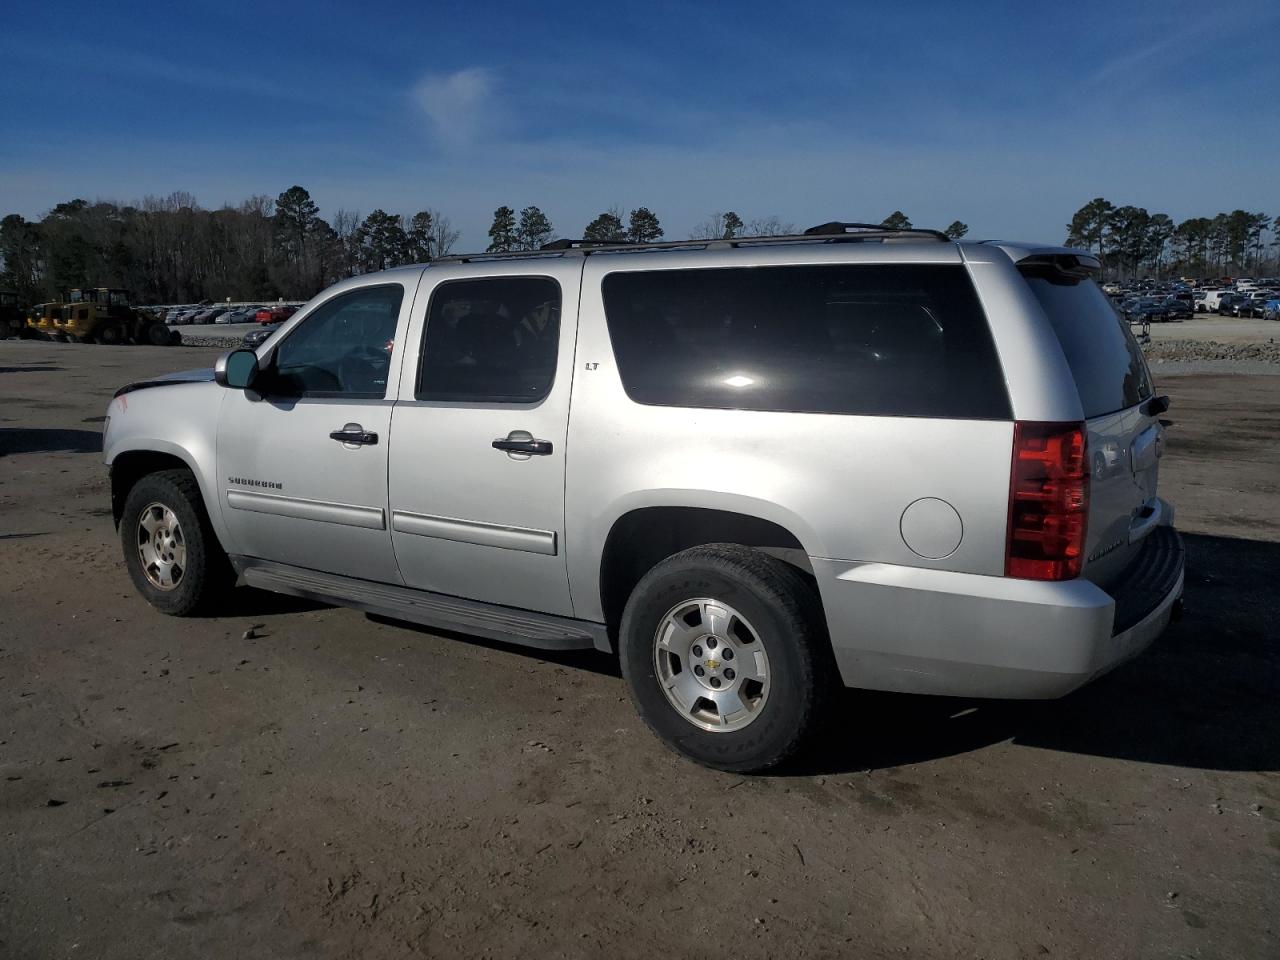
(1106, 361)
(491, 341)
(878, 339)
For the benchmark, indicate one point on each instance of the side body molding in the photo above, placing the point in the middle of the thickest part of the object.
(347, 514)
(475, 531)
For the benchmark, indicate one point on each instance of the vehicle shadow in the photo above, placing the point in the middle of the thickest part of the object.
(51, 440)
(593, 660)
(1205, 695)
(249, 602)
(34, 368)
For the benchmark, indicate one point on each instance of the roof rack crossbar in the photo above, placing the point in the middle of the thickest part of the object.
(815, 235)
(872, 230)
(567, 244)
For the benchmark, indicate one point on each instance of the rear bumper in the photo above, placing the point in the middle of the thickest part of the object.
(932, 631)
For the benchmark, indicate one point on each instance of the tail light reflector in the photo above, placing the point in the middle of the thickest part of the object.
(1048, 501)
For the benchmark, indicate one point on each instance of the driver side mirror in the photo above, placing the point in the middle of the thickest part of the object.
(237, 369)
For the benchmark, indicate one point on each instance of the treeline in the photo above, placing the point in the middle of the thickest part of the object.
(1130, 241)
(171, 250)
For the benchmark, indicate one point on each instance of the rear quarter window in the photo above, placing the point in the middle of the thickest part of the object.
(905, 340)
(1107, 363)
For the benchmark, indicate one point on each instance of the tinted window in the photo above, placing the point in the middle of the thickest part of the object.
(491, 340)
(343, 349)
(894, 340)
(1106, 361)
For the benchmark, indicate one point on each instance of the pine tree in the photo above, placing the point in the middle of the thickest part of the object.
(419, 237)
(297, 222)
(896, 221)
(957, 230)
(502, 234)
(381, 242)
(643, 226)
(606, 228)
(1088, 227)
(534, 230)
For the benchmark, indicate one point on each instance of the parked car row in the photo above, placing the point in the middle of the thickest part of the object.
(1148, 301)
(1154, 309)
(1229, 303)
(202, 313)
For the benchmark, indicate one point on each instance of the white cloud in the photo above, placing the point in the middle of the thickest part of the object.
(459, 105)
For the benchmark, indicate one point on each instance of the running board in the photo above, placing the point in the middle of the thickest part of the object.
(540, 630)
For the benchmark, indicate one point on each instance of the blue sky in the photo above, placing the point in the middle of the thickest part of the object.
(1007, 116)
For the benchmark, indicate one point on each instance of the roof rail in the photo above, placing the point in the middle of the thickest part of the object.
(871, 231)
(834, 232)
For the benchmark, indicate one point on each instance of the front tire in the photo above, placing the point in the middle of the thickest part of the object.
(170, 549)
(725, 651)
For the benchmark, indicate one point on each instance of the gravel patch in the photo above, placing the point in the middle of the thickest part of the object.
(227, 343)
(1165, 368)
(1264, 352)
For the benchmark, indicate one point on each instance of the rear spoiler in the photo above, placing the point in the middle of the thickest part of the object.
(1071, 261)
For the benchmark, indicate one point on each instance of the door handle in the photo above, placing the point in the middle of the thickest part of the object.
(354, 433)
(537, 448)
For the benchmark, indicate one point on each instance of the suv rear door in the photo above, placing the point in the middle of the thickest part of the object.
(1125, 436)
(477, 469)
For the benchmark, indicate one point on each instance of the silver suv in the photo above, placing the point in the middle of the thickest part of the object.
(755, 470)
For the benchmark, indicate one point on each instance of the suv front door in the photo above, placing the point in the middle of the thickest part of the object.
(476, 476)
(302, 457)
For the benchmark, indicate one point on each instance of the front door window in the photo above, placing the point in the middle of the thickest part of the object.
(343, 349)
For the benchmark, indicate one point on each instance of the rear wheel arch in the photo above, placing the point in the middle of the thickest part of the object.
(642, 538)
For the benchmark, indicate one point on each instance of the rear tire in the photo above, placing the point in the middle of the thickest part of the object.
(726, 654)
(169, 546)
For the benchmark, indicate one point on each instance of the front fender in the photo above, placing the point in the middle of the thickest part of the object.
(179, 421)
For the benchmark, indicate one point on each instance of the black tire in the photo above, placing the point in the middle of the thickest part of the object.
(785, 612)
(110, 336)
(207, 573)
(158, 335)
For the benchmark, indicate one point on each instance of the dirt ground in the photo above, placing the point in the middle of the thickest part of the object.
(339, 787)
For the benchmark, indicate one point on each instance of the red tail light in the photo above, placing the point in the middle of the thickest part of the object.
(1048, 501)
